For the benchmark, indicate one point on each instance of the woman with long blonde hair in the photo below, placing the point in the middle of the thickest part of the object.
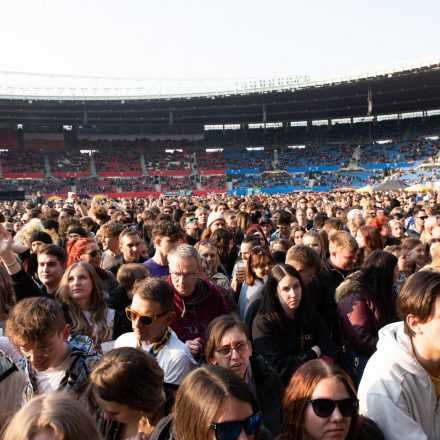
(80, 289)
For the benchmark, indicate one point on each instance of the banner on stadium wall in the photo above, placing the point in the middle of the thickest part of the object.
(214, 172)
(208, 192)
(200, 192)
(253, 191)
(244, 171)
(312, 169)
(278, 190)
(382, 166)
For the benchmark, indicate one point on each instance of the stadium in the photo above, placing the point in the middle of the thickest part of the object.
(135, 137)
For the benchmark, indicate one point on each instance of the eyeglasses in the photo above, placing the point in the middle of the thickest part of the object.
(146, 320)
(324, 407)
(94, 253)
(226, 352)
(183, 275)
(190, 220)
(231, 430)
(423, 217)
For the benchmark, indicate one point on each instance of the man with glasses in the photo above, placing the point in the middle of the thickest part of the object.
(415, 229)
(151, 314)
(52, 360)
(196, 301)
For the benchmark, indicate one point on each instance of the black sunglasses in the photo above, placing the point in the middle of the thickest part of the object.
(231, 430)
(324, 407)
(94, 253)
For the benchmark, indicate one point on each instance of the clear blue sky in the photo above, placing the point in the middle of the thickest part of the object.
(215, 39)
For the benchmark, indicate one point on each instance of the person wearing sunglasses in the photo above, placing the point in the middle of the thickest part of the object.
(228, 345)
(189, 223)
(88, 251)
(151, 314)
(228, 411)
(416, 228)
(320, 403)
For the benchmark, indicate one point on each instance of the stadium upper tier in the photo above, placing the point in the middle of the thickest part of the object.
(179, 106)
(139, 168)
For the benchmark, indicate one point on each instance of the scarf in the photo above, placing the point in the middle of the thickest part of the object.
(157, 346)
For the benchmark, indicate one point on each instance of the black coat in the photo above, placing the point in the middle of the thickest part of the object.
(322, 295)
(286, 349)
(270, 392)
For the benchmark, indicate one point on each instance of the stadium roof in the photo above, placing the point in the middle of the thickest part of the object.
(279, 100)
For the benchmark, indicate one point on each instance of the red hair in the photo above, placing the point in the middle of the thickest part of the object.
(76, 248)
(299, 392)
(378, 222)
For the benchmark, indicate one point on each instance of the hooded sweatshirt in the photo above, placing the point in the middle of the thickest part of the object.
(397, 392)
(194, 313)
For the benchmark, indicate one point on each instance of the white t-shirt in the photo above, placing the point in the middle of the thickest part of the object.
(50, 379)
(174, 358)
(110, 318)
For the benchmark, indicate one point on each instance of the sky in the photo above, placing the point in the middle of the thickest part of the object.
(216, 39)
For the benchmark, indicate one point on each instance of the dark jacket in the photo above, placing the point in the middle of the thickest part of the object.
(114, 269)
(118, 299)
(270, 392)
(361, 317)
(322, 294)
(286, 349)
(25, 286)
(76, 379)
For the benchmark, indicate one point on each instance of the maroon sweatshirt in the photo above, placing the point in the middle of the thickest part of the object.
(194, 313)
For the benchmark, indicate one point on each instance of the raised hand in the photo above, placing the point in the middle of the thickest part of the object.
(5, 243)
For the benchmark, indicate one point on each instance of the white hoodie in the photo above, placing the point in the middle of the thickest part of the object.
(397, 392)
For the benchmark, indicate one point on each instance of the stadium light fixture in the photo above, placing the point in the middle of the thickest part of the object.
(384, 141)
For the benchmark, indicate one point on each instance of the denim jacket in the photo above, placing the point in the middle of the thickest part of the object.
(76, 379)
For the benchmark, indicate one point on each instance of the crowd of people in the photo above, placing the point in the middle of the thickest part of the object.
(296, 316)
